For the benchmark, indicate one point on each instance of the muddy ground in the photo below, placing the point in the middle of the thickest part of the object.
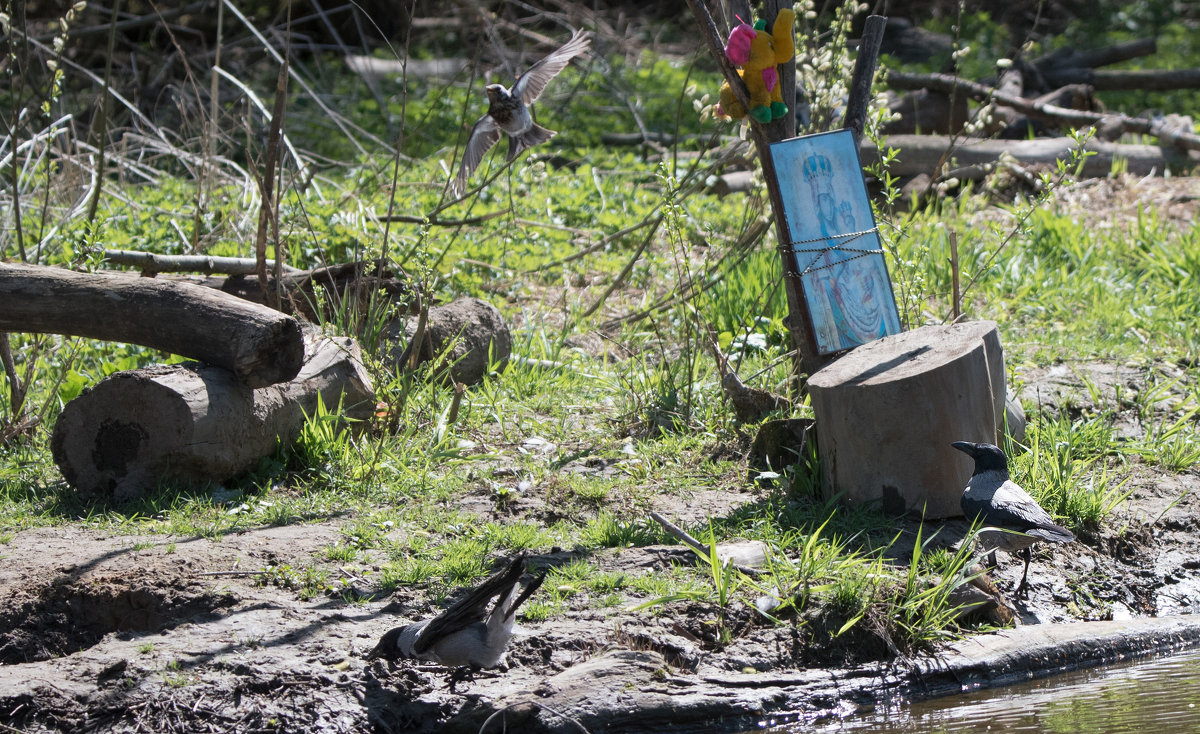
(127, 633)
(104, 632)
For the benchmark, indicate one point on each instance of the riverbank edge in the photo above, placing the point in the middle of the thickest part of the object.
(638, 691)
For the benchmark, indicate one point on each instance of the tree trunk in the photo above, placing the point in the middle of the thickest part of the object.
(191, 424)
(887, 412)
(260, 346)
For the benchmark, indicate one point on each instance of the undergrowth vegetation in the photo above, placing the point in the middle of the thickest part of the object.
(620, 274)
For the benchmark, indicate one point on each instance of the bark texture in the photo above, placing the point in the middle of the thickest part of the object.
(257, 344)
(193, 424)
(467, 334)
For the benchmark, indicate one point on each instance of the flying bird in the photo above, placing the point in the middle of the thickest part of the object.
(1012, 520)
(465, 635)
(509, 111)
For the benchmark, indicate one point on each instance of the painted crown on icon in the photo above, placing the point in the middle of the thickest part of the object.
(817, 165)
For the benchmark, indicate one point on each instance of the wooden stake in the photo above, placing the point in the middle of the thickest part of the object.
(956, 305)
(455, 403)
(865, 62)
(799, 325)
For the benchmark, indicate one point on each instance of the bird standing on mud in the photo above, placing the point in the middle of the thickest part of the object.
(508, 111)
(1012, 520)
(466, 635)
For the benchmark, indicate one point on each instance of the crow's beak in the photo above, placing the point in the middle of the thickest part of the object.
(386, 648)
(966, 447)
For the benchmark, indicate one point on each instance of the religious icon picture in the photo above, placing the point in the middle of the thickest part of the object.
(843, 276)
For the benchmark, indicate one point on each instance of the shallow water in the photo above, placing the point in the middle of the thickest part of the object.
(1156, 696)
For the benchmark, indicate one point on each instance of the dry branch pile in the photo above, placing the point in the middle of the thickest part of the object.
(1026, 106)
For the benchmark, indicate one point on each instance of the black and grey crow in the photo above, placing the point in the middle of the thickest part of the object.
(466, 635)
(1011, 519)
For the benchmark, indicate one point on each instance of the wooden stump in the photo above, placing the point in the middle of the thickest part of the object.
(887, 412)
(192, 424)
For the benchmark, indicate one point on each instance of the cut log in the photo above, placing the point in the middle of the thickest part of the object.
(740, 182)
(192, 424)
(887, 412)
(923, 153)
(259, 345)
(925, 111)
(778, 444)
(909, 43)
(468, 334)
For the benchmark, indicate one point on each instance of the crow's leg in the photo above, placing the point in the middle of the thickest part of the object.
(1023, 587)
(464, 674)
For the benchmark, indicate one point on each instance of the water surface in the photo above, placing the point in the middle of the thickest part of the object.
(1155, 696)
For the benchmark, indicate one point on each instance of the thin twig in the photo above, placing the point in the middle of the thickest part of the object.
(339, 120)
(101, 132)
(689, 289)
(682, 535)
(703, 550)
(654, 220)
(150, 263)
(15, 388)
(625, 271)
(542, 706)
(439, 222)
(956, 305)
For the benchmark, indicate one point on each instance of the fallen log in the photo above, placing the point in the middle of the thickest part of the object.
(257, 344)
(923, 154)
(192, 424)
(1071, 58)
(739, 182)
(1155, 80)
(469, 335)
(927, 111)
(346, 286)
(947, 84)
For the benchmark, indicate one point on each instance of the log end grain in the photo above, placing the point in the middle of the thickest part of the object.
(115, 438)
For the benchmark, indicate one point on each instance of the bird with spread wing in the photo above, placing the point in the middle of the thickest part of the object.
(509, 111)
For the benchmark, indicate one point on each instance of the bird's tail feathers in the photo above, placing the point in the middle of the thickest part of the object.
(1053, 534)
(535, 135)
(525, 594)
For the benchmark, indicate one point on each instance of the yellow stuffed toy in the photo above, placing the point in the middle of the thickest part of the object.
(758, 53)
